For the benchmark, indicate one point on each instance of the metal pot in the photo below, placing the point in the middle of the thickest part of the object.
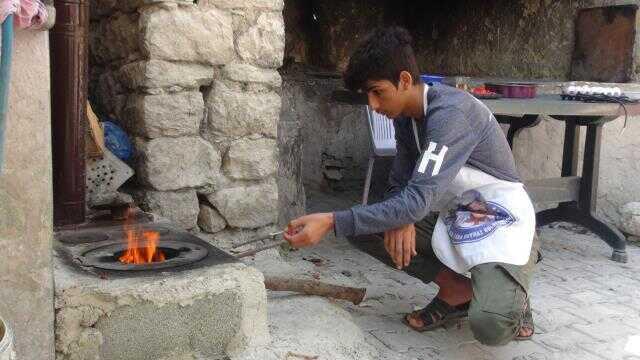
(513, 90)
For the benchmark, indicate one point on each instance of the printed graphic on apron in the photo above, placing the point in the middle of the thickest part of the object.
(475, 218)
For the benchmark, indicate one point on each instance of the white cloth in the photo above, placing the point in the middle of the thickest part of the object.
(486, 220)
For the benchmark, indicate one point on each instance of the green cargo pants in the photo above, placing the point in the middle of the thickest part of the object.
(500, 291)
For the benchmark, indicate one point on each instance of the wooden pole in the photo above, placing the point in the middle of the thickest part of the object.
(311, 287)
(69, 76)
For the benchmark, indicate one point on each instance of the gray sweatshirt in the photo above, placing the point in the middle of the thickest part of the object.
(457, 130)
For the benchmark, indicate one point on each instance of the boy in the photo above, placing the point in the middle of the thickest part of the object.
(449, 148)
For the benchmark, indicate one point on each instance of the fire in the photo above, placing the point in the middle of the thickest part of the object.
(142, 247)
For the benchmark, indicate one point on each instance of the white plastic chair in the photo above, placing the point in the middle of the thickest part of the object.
(383, 144)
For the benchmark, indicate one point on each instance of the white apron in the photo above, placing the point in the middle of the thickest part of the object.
(488, 220)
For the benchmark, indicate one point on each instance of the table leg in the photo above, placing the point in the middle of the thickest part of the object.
(589, 194)
(516, 124)
(583, 211)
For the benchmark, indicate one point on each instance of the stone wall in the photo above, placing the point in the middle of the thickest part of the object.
(333, 138)
(195, 85)
(26, 205)
(529, 39)
(526, 39)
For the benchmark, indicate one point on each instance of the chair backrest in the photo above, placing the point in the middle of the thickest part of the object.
(383, 138)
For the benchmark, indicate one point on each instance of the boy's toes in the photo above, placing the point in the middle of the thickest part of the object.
(414, 320)
(525, 332)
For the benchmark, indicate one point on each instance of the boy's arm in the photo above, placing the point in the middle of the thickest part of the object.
(447, 148)
(402, 166)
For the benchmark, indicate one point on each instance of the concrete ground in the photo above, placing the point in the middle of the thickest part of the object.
(585, 305)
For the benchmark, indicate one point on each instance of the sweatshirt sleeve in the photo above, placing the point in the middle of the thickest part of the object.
(403, 162)
(447, 147)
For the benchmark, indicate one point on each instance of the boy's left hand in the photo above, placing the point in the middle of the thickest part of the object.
(308, 230)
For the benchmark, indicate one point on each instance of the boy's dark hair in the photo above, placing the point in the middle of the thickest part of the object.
(382, 56)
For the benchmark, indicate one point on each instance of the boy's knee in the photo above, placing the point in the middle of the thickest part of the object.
(492, 329)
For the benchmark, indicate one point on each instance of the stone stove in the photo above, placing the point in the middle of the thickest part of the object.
(199, 303)
(97, 250)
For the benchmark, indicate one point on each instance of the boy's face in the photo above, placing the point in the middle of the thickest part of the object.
(388, 99)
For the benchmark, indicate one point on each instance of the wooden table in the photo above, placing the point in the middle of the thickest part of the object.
(575, 194)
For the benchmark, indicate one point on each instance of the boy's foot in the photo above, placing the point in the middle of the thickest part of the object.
(526, 326)
(438, 312)
(435, 314)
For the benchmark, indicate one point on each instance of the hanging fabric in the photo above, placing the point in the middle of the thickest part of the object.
(27, 13)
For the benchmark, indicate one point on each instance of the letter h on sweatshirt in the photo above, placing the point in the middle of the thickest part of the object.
(432, 155)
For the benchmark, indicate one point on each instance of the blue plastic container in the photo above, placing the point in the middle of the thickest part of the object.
(431, 79)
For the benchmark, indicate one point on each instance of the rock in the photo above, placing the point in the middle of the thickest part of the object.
(251, 159)
(210, 220)
(172, 115)
(176, 163)
(181, 207)
(158, 74)
(230, 237)
(210, 312)
(244, 4)
(289, 319)
(248, 207)
(233, 113)
(251, 74)
(630, 218)
(263, 43)
(333, 174)
(109, 94)
(291, 190)
(188, 34)
(100, 8)
(115, 38)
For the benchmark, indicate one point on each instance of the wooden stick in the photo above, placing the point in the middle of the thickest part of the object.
(311, 287)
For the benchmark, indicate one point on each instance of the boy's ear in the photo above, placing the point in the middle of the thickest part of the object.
(406, 80)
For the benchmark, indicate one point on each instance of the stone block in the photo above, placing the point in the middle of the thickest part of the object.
(206, 313)
(251, 74)
(263, 43)
(630, 218)
(245, 4)
(251, 159)
(101, 8)
(210, 220)
(604, 44)
(153, 116)
(108, 94)
(181, 207)
(188, 34)
(115, 38)
(234, 113)
(176, 163)
(159, 74)
(229, 237)
(248, 207)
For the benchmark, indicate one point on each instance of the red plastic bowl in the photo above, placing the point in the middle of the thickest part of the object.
(513, 90)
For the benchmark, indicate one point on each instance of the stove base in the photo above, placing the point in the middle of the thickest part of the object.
(203, 313)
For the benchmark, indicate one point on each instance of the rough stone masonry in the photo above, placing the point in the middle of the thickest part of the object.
(195, 84)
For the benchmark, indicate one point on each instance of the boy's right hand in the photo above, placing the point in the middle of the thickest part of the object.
(400, 243)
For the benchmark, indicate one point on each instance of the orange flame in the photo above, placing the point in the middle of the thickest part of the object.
(141, 248)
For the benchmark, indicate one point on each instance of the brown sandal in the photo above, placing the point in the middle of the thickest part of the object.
(436, 314)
